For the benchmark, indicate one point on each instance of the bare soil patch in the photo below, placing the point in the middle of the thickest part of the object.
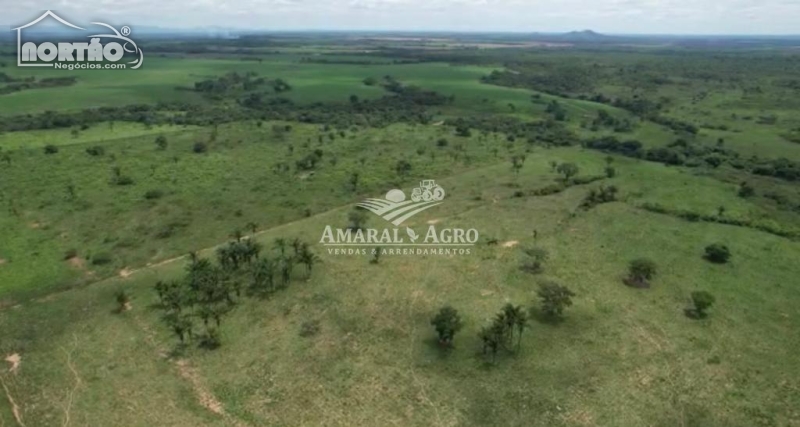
(14, 360)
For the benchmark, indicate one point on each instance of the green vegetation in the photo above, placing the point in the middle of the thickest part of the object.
(584, 167)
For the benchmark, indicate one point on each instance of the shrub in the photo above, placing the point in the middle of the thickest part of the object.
(442, 143)
(70, 253)
(122, 299)
(309, 328)
(102, 258)
(554, 299)
(50, 149)
(701, 301)
(717, 253)
(200, 147)
(123, 180)
(746, 190)
(95, 151)
(535, 263)
(154, 194)
(640, 272)
(161, 142)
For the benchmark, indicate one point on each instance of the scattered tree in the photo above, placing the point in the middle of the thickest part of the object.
(447, 323)
(640, 272)
(717, 253)
(554, 298)
(701, 301)
(568, 170)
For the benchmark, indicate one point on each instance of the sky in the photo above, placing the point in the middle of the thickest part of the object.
(605, 16)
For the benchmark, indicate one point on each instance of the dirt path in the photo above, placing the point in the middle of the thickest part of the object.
(78, 381)
(14, 408)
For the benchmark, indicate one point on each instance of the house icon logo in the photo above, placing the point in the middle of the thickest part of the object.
(104, 51)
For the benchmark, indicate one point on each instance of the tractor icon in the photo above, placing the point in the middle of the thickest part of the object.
(427, 191)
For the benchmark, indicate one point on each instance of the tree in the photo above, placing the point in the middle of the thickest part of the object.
(517, 162)
(357, 217)
(181, 324)
(535, 263)
(252, 226)
(554, 298)
(568, 170)
(746, 190)
(305, 256)
(701, 301)
(161, 142)
(490, 340)
(640, 272)
(513, 317)
(717, 253)
(447, 323)
(403, 168)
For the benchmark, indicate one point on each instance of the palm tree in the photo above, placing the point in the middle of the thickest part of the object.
(307, 257)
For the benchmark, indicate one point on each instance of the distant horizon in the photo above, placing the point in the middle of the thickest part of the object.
(611, 17)
(256, 30)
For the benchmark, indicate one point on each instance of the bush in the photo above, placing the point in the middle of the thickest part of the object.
(554, 299)
(746, 190)
(50, 149)
(102, 258)
(123, 300)
(154, 194)
(70, 253)
(717, 253)
(95, 151)
(442, 143)
(123, 180)
(535, 263)
(701, 301)
(640, 272)
(309, 328)
(200, 147)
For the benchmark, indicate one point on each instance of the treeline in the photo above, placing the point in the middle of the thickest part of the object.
(408, 106)
(684, 153)
(308, 60)
(16, 85)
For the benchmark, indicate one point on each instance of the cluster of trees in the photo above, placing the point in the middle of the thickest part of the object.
(19, 84)
(209, 291)
(505, 331)
(597, 196)
(232, 83)
(605, 119)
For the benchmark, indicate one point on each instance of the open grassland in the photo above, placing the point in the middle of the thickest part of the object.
(623, 356)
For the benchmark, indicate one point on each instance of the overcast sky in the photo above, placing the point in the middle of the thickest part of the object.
(609, 16)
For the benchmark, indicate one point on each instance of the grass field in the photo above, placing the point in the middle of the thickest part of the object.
(623, 356)
(88, 211)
